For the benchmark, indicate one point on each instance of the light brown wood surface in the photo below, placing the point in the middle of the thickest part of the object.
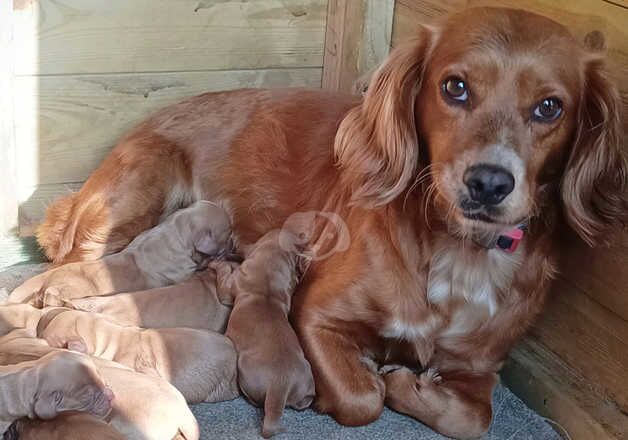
(357, 40)
(104, 36)
(8, 197)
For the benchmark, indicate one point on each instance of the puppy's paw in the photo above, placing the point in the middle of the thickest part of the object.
(430, 376)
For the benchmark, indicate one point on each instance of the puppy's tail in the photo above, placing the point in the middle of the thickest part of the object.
(274, 404)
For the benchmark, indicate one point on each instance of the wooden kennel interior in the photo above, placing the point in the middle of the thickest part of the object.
(76, 74)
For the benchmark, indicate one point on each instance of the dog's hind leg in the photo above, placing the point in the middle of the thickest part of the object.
(126, 195)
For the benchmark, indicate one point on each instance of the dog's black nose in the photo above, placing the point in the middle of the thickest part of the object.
(488, 184)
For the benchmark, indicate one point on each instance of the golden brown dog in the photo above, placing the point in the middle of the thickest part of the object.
(167, 254)
(272, 369)
(192, 303)
(200, 364)
(492, 122)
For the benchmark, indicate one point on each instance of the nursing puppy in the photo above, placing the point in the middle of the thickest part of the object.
(192, 303)
(145, 407)
(18, 316)
(67, 426)
(164, 255)
(54, 383)
(200, 364)
(272, 368)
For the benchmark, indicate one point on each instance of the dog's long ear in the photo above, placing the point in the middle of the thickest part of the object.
(377, 143)
(595, 183)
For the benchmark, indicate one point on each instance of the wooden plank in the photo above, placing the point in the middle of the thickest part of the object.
(8, 204)
(74, 120)
(554, 390)
(586, 19)
(101, 36)
(357, 40)
(590, 338)
(600, 272)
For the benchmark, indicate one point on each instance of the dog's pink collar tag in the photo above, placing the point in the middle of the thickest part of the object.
(509, 240)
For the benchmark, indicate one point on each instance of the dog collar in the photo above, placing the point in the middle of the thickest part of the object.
(507, 241)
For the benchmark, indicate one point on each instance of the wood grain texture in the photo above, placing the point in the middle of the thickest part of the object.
(592, 339)
(127, 36)
(357, 40)
(74, 120)
(553, 389)
(8, 197)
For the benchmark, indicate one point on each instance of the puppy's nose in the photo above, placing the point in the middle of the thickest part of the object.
(488, 184)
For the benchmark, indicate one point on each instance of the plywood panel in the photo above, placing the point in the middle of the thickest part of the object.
(8, 198)
(590, 338)
(601, 273)
(74, 120)
(97, 36)
(357, 40)
(554, 390)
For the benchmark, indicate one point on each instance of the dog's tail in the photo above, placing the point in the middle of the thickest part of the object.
(274, 404)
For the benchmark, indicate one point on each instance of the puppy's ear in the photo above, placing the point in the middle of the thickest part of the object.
(595, 183)
(377, 142)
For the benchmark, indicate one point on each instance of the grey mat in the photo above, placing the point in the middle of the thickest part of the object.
(237, 420)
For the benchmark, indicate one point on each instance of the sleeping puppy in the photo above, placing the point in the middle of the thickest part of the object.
(56, 382)
(192, 303)
(164, 255)
(66, 426)
(272, 368)
(18, 316)
(200, 364)
(145, 407)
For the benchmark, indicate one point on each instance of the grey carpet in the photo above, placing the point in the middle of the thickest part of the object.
(237, 420)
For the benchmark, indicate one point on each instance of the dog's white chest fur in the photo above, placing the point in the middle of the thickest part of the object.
(478, 278)
(474, 279)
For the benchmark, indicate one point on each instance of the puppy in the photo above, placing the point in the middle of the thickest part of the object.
(166, 254)
(200, 364)
(272, 368)
(145, 407)
(57, 382)
(18, 316)
(192, 303)
(66, 426)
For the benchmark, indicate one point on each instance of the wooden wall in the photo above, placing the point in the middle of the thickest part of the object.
(8, 198)
(85, 71)
(586, 323)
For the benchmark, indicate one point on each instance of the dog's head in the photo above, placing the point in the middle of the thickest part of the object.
(500, 110)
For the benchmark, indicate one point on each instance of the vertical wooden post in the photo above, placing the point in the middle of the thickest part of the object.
(8, 173)
(357, 40)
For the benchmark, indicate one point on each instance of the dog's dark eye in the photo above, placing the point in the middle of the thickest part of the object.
(455, 88)
(548, 110)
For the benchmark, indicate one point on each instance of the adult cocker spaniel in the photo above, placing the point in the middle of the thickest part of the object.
(473, 142)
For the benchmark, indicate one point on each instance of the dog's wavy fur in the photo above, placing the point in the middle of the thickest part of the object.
(413, 288)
